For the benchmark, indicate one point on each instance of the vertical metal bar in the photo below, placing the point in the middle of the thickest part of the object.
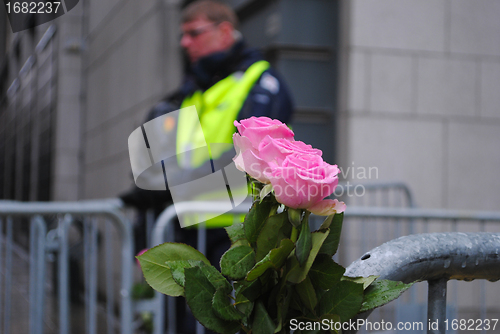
(1, 262)
(41, 268)
(109, 279)
(482, 288)
(93, 277)
(171, 313)
(436, 306)
(63, 281)
(127, 261)
(150, 222)
(168, 234)
(86, 265)
(33, 309)
(363, 239)
(171, 310)
(202, 247)
(8, 277)
(202, 238)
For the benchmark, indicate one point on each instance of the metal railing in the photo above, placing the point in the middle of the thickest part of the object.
(436, 258)
(45, 244)
(164, 231)
(50, 225)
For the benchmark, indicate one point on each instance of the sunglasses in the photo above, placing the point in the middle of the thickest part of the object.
(193, 33)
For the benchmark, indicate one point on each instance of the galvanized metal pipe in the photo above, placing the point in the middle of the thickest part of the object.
(433, 257)
(436, 306)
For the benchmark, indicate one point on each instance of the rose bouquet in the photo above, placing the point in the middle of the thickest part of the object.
(277, 271)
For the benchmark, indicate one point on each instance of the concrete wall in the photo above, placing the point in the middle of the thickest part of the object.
(422, 102)
(133, 61)
(67, 128)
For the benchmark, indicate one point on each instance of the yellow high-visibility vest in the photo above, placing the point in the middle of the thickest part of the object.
(217, 109)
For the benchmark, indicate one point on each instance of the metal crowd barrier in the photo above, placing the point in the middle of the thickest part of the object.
(375, 193)
(49, 245)
(163, 232)
(435, 258)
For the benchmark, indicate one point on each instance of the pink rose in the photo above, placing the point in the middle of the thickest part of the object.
(303, 181)
(248, 159)
(256, 128)
(270, 153)
(275, 150)
(252, 131)
(327, 207)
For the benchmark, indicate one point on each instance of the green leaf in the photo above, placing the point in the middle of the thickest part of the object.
(381, 292)
(366, 281)
(177, 269)
(307, 294)
(242, 303)
(236, 232)
(223, 307)
(256, 217)
(216, 279)
(268, 236)
(283, 304)
(199, 296)
(158, 274)
(237, 261)
(297, 273)
(304, 242)
(331, 243)
(325, 273)
(285, 231)
(265, 191)
(274, 259)
(295, 216)
(252, 290)
(262, 322)
(241, 242)
(327, 222)
(211, 273)
(344, 299)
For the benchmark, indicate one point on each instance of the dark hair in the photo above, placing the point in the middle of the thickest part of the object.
(213, 10)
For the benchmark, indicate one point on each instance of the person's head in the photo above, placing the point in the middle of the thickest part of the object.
(207, 27)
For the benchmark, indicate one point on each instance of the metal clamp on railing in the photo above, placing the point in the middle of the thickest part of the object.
(436, 258)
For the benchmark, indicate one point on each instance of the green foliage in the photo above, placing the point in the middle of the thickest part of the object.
(381, 292)
(256, 217)
(331, 244)
(304, 243)
(199, 295)
(298, 273)
(156, 271)
(269, 235)
(280, 271)
(344, 299)
(237, 261)
(274, 259)
(325, 273)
